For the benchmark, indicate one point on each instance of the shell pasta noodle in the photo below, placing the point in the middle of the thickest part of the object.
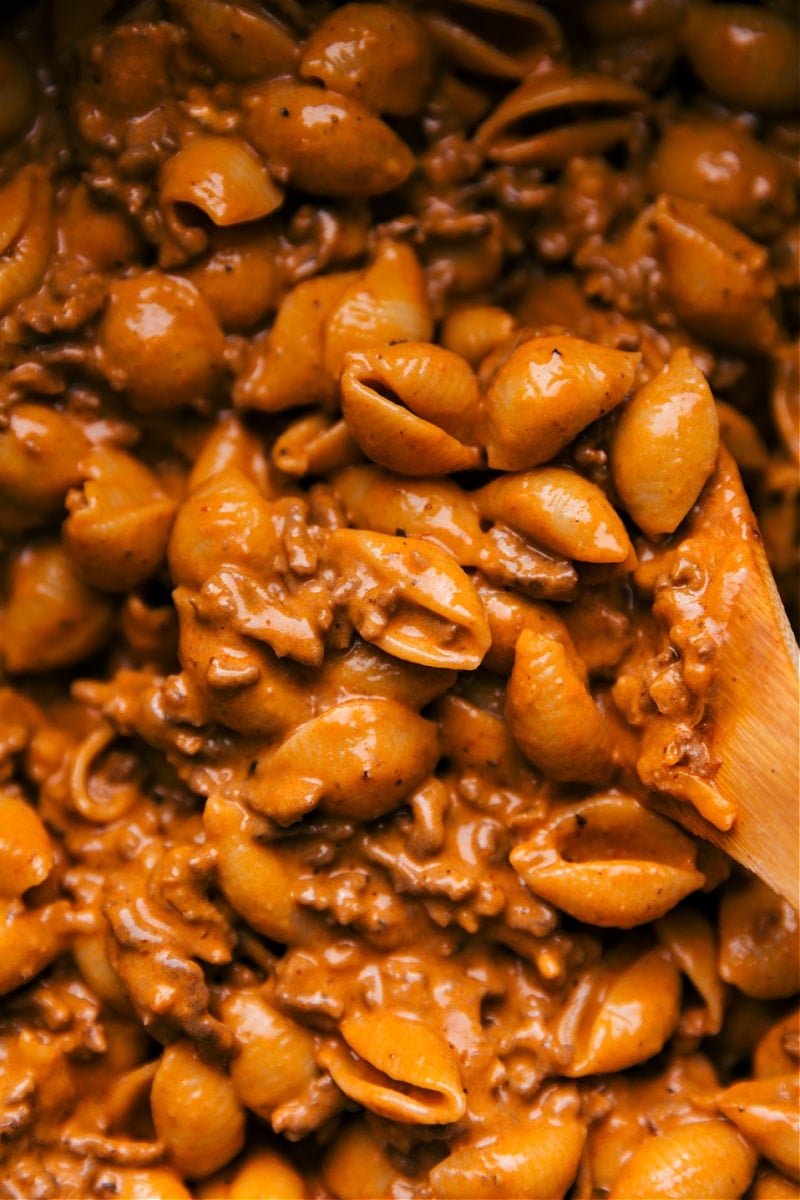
(386, 393)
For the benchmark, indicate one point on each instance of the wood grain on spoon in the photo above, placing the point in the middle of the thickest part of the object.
(751, 724)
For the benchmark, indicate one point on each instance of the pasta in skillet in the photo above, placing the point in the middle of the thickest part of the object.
(376, 377)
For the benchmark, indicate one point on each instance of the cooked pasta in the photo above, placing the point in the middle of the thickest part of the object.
(388, 390)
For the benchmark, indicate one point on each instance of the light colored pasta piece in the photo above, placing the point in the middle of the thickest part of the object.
(288, 368)
(387, 303)
(705, 1158)
(551, 714)
(355, 1165)
(517, 37)
(770, 1184)
(324, 143)
(26, 851)
(52, 617)
(160, 343)
(664, 446)
(609, 861)
(398, 1067)
(746, 185)
(239, 275)
(379, 54)
(691, 940)
(605, 1022)
(414, 408)
(745, 56)
(778, 1051)
(90, 952)
(759, 948)
(546, 392)
(508, 613)
(223, 178)
(530, 125)
(536, 1159)
(474, 330)
(357, 759)
(767, 1111)
(195, 1111)
(315, 444)
(264, 1173)
(560, 510)
(275, 1059)
(26, 233)
(257, 879)
(95, 797)
(40, 453)
(409, 598)
(239, 41)
(231, 444)
(119, 520)
(716, 278)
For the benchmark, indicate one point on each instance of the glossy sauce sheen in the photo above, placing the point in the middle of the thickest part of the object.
(381, 385)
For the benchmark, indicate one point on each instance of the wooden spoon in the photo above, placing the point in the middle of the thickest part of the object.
(751, 724)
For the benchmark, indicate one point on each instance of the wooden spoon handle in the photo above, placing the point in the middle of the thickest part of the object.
(753, 712)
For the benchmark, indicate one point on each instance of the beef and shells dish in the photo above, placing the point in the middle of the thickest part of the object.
(390, 392)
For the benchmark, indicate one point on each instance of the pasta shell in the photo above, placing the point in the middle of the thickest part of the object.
(551, 714)
(400, 1069)
(605, 1021)
(358, 759)
(26, 233)
(356, 1165)
(412, 408)
(239, 275)
(289, 368)
(561, 511)
(263, 47)
(438, 510)
(704, 1158)
(51, 617)
(275, 1059)
(264, 1173)
(744, 55)
(222, 177)
(691, 940)
(501, 38)
(387, 303)
(717, 279)
(547, 391)
(325, 143)
(767, 1111)
(608, 861)
(255, 878)
(341, 53)
(26, 852)
(315, 444)
(160, 343)
(40, 455)
(195, 1111)
(409, 598)
(773, 1054)
(722, 166)
(396, 439)
(552, 117)
(538, 1159)
(119, 521)
(664, 446)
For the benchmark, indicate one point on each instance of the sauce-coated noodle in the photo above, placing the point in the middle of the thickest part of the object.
(372, 374)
